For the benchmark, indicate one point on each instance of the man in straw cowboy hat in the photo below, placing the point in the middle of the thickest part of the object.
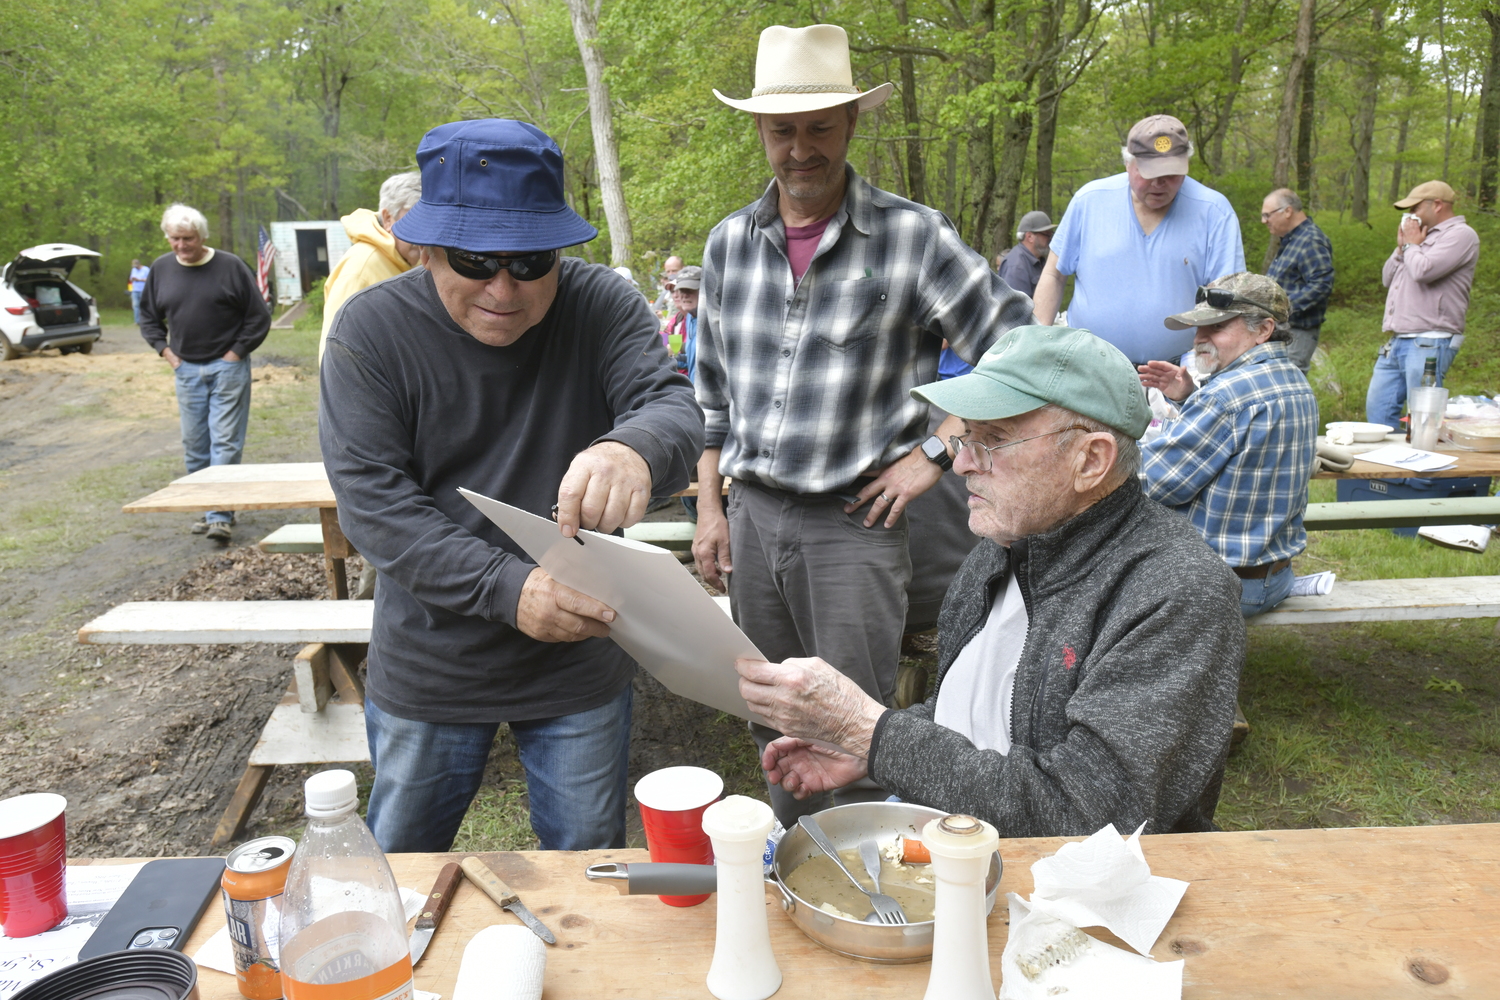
(823, 303)
(504, 367)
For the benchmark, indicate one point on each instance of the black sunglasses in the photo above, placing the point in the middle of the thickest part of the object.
(1221, 298)
(484, 266)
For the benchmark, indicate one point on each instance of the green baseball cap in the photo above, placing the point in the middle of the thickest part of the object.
(1031, 366)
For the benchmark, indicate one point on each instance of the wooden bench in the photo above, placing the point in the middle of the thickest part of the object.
(294, 538)
(677, 535)
(1391, 600)
(1401, 513)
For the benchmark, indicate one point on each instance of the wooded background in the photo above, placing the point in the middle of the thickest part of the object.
(263, 110)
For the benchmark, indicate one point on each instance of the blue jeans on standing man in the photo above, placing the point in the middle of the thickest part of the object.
(135, 305)
(1398, 370)
(426, 774)
(213, 401)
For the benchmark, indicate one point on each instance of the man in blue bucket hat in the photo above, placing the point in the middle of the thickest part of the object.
(505, 368)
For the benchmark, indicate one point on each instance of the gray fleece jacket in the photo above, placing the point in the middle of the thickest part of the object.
(1124, 693)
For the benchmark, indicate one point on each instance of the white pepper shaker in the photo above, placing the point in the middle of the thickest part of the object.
(961, 847)
(743, 967)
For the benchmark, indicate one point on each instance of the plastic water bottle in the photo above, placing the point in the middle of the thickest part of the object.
(342, 927)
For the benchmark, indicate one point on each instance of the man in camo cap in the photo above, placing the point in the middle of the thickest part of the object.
(1237, 462)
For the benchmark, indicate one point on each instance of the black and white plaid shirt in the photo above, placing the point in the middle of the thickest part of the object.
(805, 385)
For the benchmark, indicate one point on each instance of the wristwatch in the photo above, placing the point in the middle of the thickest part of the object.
(937, 453)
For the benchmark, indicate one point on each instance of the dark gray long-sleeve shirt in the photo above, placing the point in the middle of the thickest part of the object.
(204, 310)
(1125, 689)
(413, 408)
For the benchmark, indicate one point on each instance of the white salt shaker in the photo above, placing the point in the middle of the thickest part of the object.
(961, 847)
(743, 967)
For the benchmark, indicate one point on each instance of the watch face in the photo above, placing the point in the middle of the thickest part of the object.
(935, 451)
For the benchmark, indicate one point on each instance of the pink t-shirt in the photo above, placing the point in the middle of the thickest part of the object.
(801, 243)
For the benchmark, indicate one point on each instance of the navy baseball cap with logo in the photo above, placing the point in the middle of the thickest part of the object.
(492, 186)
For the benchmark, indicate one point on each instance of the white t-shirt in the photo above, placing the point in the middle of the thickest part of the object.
(978, 688)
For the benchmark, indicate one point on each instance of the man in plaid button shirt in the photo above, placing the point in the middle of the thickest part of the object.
(1303, 268)
(1236, 463)
(823, 303)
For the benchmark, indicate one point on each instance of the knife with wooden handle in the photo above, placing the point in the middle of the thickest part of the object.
(504, 896)
(433, 910)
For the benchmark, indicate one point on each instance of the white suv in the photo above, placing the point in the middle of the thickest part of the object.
(40, 307)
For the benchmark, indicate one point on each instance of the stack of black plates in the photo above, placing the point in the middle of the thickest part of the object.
(140, 974)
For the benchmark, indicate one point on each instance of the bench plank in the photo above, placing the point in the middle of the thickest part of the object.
(294, 538)
(1391, 600)
(1401, 513)
(332, 736)
(164, 622)
(666, 534)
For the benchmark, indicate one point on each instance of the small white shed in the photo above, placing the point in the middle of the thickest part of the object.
(305, 252)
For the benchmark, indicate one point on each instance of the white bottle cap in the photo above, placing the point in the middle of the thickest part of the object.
(330, 793)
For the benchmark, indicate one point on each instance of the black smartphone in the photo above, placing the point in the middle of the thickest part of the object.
(160, 907)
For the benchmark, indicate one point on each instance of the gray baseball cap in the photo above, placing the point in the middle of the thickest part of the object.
(1035, 222)
(690, 277)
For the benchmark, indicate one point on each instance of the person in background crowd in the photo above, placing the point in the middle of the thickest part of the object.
(1303, 267)
(532, 378)
(202, 311)
(374, 254)
(1238, 460)
(138, 274)
(823, 303)
(1089, 650)
(669, 268)
(684, 321)
(1429, 276)
(1023, 264)
(1140, 244)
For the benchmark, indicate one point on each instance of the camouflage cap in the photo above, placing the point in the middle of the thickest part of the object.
(1247, 292)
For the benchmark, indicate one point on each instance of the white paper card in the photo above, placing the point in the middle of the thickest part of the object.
(666, 621)
(1411, 459)
(91, 891)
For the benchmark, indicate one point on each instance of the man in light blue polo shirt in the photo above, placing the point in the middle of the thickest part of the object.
(1139, 245)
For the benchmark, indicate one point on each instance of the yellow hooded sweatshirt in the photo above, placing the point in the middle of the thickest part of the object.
(372, 258)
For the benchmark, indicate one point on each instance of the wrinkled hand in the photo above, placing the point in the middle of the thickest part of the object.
(808, 698)
(711, 548)
(1411, 231)
(170, 357)
(607, 486)
(896, 486)
(804, 769)
(550, 612)
(1174, 381)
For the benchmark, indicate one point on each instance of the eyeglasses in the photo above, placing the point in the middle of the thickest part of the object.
(1266, 216)
(1221, 298)
(981, 456)
(484, 266)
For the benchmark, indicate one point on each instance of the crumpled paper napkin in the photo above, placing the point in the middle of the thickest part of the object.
(1313, 584)
(1103, 881)
(218, 954)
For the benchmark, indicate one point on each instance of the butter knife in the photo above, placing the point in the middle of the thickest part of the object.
(504, 896)
(433, 910)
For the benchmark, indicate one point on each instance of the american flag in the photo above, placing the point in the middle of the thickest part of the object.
(264, 257)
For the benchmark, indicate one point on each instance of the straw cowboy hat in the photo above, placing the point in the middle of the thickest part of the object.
(805, 69)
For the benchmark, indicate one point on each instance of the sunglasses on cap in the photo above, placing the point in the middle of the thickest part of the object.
(484, 266)
(1222, 298)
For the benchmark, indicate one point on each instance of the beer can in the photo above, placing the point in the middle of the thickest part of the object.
(254, 878)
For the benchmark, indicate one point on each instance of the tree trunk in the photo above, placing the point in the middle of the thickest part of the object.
(606, 152)
(1048, 100)
(1306, 122)
(1236, 77)
(982, 140)
(916, 168)
(1448, 88)
(1364, 135)
(1015, 140)
(1281, 172)
(1402, 131)
(1489, 113)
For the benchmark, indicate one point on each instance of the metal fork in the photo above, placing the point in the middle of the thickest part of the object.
(886, 907)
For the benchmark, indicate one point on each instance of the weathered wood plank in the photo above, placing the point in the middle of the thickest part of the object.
(666, 534)
(191, 497)
(263, 472)
(163, 622)
(310, 669)
(1401, 513)
(1391, 600)
(293, 538)
(291, 736)
(241, 804)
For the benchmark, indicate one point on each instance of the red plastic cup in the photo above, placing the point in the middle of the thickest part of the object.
(33, 854)
(672, 801)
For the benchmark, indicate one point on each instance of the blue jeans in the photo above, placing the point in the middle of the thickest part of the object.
(426, 774)
(135, 306)
(1259, 596)
(213, 401)
(1399, 369)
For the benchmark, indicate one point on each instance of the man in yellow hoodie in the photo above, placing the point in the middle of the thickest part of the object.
(375, 254)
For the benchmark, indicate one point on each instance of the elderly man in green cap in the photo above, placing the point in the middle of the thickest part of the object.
(1237, 462)
(1089, 649)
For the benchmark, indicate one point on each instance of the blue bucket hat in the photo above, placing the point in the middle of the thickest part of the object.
(492, 186)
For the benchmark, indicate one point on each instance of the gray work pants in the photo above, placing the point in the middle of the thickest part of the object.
(1300, 350)
(810, 580)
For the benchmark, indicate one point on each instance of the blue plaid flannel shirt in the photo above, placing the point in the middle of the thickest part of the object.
(1237, 462)
(1304, 269)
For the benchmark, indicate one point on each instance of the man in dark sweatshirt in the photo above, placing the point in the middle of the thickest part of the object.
(536, 379)
(1089, 648)
(202, 312)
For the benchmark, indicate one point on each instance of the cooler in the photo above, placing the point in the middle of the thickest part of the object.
(1411, 489)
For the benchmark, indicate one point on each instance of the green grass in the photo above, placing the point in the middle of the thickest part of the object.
(497, 820)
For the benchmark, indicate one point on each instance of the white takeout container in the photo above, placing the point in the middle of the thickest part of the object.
(1363, 433)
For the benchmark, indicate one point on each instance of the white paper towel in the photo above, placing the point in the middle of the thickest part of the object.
(502, 962)
(1046, 957)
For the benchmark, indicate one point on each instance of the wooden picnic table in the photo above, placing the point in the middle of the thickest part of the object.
(1352, 913)
(1467, 463)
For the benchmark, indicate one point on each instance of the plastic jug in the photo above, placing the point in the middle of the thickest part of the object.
(343, 931)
